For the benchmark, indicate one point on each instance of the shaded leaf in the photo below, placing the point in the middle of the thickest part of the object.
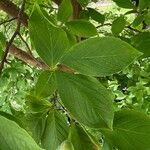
(81, 140)
(2, 44)
(82, 28)
(83, 2)
(125, 4)
(86, 99)
(100, 56)
(95, 15)
(36, 124)
(118, 25)
(131, 130)
(56, 131)
(142, 42)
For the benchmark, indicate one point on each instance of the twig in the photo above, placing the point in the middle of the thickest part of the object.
(6, 21)
(129, 27)
(13, 37)
(20, 36)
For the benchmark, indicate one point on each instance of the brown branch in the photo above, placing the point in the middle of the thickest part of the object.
(12, 10)
(27, 58)
(13, 36)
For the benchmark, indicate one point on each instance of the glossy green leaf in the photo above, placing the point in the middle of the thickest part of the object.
(49, 41)
(125, 4)
(131, 131)
(81, 140)
(46, 85)
(142, 42)
(56, 131)
(100, 56)
(86, 99)
(82, 28)
(95, 15)
(118, 25)
(13, 137)
(65, 10)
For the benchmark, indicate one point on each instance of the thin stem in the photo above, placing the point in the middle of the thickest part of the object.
(20, 36)
(7, 21)
(13, 36)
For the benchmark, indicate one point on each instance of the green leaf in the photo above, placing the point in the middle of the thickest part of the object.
(37, 105)
(83, 2)
(147, 18)
(95, 15)
(144, 4)
(82, 28)
(66, 145)
(142, 42)
(65, 10)
(100, 56)
(81, 140)
(2, 44)
(125, 4)
(36, 124)
(13, 137)
(56, 131)
(131, 131)
(50, 42)
(138, 20)
(86, 99)
(46, 85)
(118, 25)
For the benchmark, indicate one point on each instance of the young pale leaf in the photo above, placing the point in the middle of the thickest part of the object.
(82, 28)
(65, 11)
(66, 145)
(95, 15)
(13, 137)
(56, 131)
(86, 99)
(142, 42)
(125, 4)
(131, 131)
(81, 140)
(100, 56)
(50, 42)
(46, 85)
(118, 25)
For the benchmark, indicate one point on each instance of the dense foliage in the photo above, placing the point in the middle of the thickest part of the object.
(74, 76)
